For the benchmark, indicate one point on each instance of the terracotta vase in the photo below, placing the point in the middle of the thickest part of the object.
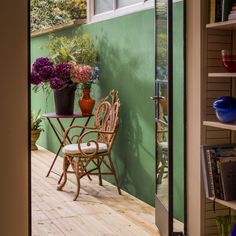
(34, 137)
(86, 104)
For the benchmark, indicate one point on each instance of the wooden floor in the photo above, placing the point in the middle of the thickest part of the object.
(99, 210)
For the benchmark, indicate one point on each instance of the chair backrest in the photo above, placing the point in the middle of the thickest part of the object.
(162, 125)
(107, 117)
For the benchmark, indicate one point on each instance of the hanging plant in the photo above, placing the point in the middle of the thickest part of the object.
(48, 13)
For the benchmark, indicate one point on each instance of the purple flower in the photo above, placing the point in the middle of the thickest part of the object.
(41, 62)
(35, 78)
(47, 72)
(63, 70)
(57, 83)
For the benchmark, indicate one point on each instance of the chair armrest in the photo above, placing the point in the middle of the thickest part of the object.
(75, 127)
(89, 142)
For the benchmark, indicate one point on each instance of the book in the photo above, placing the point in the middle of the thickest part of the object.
(218, 10)
(212, 11)
(228, 175)
(226, 7)
(211, 156)
(214, 158)
(207, 172)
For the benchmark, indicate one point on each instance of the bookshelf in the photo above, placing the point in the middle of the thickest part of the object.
(216, 82)
(230, 204)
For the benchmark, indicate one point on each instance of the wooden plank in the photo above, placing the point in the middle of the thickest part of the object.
(58, 27)
(219, 46)
(217, 141)
(218, 86)
(219, 39)
(218, 32)
(215, 69)
(218, 94)
(226, 25)
(99, 210)
(220, 125)
(230, 204)
(218, 134)
(221, 74)
(214, 55)
(215, 62)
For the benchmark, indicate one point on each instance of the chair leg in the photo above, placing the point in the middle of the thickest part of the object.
(99, 171)
(79, 168)
(66, 164)
(114, 173)
(78, 188)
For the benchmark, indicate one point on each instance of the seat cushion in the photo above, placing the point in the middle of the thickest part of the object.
(163, 145)
(73, 148)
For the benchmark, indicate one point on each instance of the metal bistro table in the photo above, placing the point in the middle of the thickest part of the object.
(60, 132)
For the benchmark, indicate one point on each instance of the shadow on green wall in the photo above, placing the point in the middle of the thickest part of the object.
(117, 74)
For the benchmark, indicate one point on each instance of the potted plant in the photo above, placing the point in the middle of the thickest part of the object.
(72, 61)
(225, 224)
(36, 129)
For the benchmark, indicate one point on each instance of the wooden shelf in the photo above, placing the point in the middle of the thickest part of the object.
(230, 204)
(220, 125)
(221, 74)
(58, 27)
(225, 25)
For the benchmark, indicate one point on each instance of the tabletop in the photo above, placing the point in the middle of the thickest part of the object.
(75, 115)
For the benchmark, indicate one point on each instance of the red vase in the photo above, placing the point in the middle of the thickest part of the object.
(86, 104)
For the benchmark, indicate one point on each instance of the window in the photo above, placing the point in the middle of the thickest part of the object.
(101, 6)
(105, 9)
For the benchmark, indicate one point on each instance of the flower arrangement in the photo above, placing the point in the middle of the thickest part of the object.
(72, 61)
(62, 74)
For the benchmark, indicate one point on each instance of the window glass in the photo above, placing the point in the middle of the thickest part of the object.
(101, 6)
(124, 3)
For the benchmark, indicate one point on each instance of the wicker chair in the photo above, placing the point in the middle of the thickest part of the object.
(87, 155)
(162, 141)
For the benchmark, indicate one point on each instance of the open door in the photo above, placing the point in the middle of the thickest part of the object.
(169, 117)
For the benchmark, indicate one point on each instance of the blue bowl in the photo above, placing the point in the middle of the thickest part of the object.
(226, 115)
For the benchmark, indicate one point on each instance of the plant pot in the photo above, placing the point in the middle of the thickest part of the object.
(87, 103)
(64, 100)
(34, 137)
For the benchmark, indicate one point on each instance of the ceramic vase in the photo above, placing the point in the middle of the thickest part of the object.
(87, 103)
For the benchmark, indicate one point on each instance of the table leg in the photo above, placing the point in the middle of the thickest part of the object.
(61, 145)
(61, 142)
(63, 129)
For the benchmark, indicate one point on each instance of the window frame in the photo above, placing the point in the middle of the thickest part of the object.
(116, 12)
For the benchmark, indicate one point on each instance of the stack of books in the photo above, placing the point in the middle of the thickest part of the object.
(219, 171)
(232, 15)
(221, 9)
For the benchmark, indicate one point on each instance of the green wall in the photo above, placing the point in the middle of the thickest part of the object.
(178, 111)
(126, 49)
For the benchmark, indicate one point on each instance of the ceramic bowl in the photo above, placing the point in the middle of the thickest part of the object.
(229, 60)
